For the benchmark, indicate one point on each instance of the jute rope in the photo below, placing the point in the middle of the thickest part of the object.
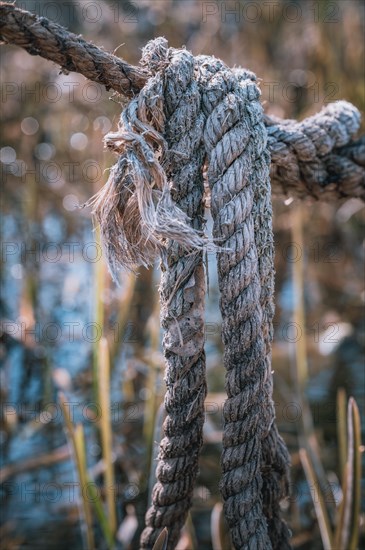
(182, 294)
(238, 175)
(141, 215)
(188, 112)
(194, 111)
(314, 151)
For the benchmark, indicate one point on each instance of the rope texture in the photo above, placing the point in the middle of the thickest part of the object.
(191, 112)
(340, 175)
(182, 293)
(275, 460)
(145, 210)
(314, 152)
(41, 36)
(238, 175)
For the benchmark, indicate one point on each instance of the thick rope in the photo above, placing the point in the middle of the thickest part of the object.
(142, 214)
(340, 175)
(192, 108)
(41, 36)
(182, 293)
(275, 460)
(314, 152)
(235, 139)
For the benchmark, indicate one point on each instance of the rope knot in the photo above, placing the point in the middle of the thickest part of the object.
(155, 55)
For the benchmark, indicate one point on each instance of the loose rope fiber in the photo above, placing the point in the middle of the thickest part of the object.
(194, 113)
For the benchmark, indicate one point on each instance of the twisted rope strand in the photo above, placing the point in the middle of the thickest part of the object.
(182, 293)
(275, 456)
(145, 210)
(41, 36)
(235, 140)
(308, 152)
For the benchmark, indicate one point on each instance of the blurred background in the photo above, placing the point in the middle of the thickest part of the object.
(81, 364)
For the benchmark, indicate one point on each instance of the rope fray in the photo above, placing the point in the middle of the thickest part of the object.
(135, 209)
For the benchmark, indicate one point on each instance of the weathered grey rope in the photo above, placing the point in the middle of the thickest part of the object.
(345, 167)
(275, 460)
(313, 152)
(189, 109)
(41, 36)
(182, 293)
(235, 139)
(143, 210)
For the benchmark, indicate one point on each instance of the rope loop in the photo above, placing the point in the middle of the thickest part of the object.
(198, 125)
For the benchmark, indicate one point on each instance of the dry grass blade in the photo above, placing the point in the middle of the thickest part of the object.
(105, 430)
(308, 437)
(318, 500)
(190, 534)
(88, 489)
(99, 284)
(341, 509)
(299, 312)
(219, 529)
(347, 531)
(342, 429)
(67, 417)
(162, 539)
(129, 280)
(355, 455)
(79, 444)
(94, 496)
(90, 493)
